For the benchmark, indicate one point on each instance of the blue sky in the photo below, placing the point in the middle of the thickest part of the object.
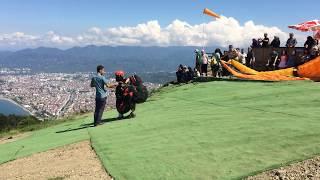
(73, 17)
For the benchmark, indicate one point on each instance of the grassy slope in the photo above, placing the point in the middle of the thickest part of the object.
(216, 130)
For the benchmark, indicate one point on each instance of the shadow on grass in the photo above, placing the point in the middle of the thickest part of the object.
(89, 125)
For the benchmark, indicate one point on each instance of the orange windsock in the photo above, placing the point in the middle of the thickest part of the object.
(210, 13)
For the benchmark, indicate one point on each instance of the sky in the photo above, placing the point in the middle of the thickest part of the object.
(67, 23)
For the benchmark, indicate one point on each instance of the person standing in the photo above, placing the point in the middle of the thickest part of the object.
(255, 44)
(291, 42)
(250, 59)
(198, 60)
(232, 53)
(265, 41)
(272, 61)
(242, 56)
(204, 66)
(216, 67)
(99, 82)
(275, 43)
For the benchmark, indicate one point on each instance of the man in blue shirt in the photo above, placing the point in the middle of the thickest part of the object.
(99, 82)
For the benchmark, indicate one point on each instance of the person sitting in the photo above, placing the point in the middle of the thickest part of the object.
(310, 43)
(275, 43)
(291, 42)
(231, 53)
(272, 61)
(283, 60)
(180, 74)
(305, 57)
(292, 59)
(196, 73)
(265, 41)
(237, 52)
(314, 52)
(190, 74)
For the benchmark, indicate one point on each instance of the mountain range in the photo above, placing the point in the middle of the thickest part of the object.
(85, 59)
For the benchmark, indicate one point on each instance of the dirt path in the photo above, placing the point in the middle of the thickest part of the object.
(305, 170)
(12, 138)
(76, 161)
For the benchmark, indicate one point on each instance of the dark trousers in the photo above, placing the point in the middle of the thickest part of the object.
(100, 105)
(204, 69)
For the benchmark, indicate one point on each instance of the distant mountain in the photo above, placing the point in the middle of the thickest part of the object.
(85, 59)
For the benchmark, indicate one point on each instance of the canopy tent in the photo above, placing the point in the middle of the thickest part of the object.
(317, 29)
(317, 35)
(306, 26)
(313, 25)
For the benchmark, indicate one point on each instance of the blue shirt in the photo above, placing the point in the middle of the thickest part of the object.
(99, 81)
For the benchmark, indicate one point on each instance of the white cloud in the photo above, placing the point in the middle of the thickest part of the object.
(221, 32)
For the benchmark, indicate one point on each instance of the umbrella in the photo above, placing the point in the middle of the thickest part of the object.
(315, 28)
(306, 26)
(317, 35)
(313, 25)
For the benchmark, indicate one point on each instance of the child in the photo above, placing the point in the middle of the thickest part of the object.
(283, 60)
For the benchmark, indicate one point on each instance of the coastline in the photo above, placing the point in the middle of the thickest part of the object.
(14, 102)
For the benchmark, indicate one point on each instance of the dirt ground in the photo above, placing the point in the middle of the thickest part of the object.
(12, 138)
(305, 170)
(76, 161)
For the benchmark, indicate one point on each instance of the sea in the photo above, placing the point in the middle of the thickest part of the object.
(7, 107)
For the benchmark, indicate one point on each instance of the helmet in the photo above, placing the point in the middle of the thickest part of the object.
(119, 73)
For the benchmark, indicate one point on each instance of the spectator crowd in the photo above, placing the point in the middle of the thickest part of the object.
(288, 57)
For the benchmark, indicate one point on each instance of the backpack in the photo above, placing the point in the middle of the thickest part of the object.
(214, 60)
(141, 94)
(136, 80)
(125, 98)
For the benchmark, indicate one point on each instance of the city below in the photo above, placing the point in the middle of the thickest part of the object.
(52, 95)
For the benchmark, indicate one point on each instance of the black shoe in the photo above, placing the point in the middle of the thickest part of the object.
(132, 115)
(120, 117)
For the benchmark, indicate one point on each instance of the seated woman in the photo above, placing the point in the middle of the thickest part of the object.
(314, 52)
(305, 57)
(283, 60)
(292, 59)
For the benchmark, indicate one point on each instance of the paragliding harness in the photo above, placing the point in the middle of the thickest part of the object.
(127, 95)
(141, 92)
(125, 98)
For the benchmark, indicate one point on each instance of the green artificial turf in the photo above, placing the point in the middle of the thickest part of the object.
(215, 130)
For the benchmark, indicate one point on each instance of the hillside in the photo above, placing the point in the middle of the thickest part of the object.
(215, 130)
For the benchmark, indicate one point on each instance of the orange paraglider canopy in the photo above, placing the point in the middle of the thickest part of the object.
(210, 13)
